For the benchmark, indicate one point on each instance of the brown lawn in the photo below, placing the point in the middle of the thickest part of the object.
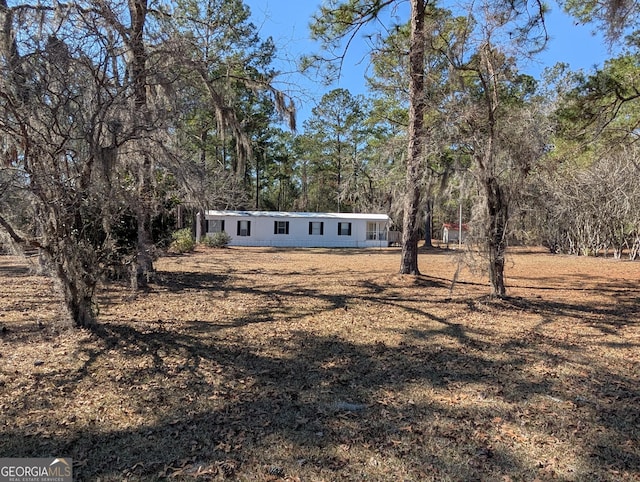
(324, 365)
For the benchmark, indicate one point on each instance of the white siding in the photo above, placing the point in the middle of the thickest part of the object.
(262, 229)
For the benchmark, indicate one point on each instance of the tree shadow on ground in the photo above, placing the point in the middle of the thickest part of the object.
(219, 407)
(196, 400)
(608, 319)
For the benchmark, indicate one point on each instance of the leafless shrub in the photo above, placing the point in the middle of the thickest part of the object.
(594, 210)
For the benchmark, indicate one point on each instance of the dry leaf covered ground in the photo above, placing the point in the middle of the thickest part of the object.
(323, 365)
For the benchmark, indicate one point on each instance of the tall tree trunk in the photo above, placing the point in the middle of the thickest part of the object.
(496, 201)
(144, 251)
(498, 214)
(409, 262)
(144, 258)
(428, 223)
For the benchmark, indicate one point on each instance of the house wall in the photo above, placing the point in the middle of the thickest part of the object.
(262, 230)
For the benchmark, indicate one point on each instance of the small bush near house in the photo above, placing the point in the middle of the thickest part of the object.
(182, 241)
(217, 240)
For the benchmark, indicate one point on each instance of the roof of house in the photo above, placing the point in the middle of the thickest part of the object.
(455, 226)
(285, 214)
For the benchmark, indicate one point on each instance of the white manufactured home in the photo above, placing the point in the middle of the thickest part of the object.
(301, 230)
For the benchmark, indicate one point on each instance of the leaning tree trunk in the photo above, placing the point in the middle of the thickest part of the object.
(409, 262)
(498, 214)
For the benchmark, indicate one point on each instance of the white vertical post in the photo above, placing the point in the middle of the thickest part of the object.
(460, 225)
(198, 226)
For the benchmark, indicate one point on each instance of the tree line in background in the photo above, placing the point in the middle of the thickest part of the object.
(120, 120)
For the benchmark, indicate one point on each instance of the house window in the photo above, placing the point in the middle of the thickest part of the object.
(215, 225)
(316, 228)
(244, 228)
(281, 227)
(376, 232)
(344, 229)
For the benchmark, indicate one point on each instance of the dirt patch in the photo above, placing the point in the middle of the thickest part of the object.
(285, 364)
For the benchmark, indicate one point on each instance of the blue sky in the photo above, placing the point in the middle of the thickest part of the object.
(287, 22)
